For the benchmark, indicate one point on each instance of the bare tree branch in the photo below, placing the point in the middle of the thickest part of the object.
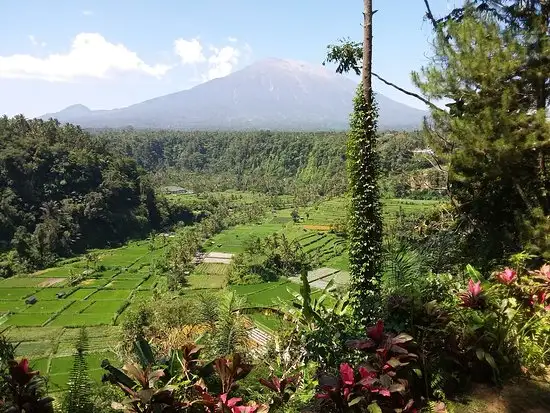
(415, 95)
(429, 14)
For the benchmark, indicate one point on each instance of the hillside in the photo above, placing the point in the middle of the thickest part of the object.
(270, 94)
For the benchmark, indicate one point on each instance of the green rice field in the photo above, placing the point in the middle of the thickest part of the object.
(121, 277)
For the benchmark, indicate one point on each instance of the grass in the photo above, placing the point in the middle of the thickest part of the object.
(23, 319)
(82, 320)
(328, 248)
(266, 321)
(94, 282)
(14, 306)
(209, 275)
(34, 349)
(46, 307)
(149, 283)
(14, 294)
(110, 295)
(266, 294)
(81, 293)
(118, 284)
(77, 307)
(18, 282)
(234, 239)
(103, 307)
(50, 293)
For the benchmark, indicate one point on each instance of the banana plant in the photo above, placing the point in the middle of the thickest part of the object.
(311, 312)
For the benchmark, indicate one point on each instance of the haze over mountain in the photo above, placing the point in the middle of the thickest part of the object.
(273, 94)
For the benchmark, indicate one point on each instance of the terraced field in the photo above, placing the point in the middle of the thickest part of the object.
(312, 232)
(46, 330)
(119, 278)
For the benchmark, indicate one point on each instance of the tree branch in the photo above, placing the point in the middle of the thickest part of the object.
(429, 15)
(414, 95)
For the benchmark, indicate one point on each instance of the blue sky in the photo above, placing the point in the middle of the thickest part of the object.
(112, 53)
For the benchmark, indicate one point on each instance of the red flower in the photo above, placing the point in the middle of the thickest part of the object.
(542, 274)
(376, 332)
(508, 276)
(232, 404)
(474, 288)
(473, 297)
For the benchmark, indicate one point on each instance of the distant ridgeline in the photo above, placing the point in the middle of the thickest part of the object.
(272, 162)
(63, 190)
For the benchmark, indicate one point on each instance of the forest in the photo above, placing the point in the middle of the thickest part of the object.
(305, 164)
(297, 272)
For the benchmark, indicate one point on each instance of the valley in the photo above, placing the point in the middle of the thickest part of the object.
(120, 278)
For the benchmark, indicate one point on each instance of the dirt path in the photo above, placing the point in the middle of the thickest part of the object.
(214, 257)
(525, 396)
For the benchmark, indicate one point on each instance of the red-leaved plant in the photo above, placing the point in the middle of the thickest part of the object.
(25, 388)
(381, 382)
(282, 388)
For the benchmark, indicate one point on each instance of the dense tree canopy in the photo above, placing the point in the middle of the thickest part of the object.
(304, 164)
(62, 191)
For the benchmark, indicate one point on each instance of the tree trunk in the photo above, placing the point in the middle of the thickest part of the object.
(367, 52)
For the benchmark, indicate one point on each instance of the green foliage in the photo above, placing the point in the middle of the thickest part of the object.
(7, 353)
(269, 259)
(381, 384)
(78, 398)
(436, 236)
(365, 229)
(181, 383)
(488, 62)
(308, 165)
(62, 191)
(321, 324)
(229, 333)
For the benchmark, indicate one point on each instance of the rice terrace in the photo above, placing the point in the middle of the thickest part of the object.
(122, 277)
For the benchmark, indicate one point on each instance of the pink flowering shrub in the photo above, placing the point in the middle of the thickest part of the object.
(505, 320)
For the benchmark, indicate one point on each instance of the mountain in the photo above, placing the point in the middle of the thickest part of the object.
(272, 94)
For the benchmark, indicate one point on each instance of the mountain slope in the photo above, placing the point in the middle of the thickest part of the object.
(270, 94)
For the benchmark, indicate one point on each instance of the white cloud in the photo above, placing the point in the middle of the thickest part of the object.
(35, 42)
(215, 61)
(91, 55)
(189, 51)
(222, 61)
(87, 13)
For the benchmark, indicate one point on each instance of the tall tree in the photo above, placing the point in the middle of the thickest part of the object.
(491, 60)
(365, 230)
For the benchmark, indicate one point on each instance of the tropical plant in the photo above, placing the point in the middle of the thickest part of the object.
(24, 390)
(143, 384)
(78, 398)
(381, 383)
(322, 323)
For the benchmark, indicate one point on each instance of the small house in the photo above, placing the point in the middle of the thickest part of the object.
(31, 300)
